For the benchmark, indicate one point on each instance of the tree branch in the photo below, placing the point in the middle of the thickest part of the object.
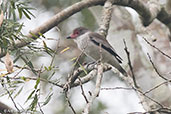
(147, 16)
(96, 91)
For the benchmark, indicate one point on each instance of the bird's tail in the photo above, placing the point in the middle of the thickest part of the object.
(122, 71)
(119, 68)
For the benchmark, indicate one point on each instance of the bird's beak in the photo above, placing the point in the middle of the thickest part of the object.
(68, 37)
(72, 36)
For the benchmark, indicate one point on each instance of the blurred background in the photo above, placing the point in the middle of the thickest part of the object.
(125, 24)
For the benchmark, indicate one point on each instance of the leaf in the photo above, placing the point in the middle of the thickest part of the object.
(25, 13)
(23, 78)
(41, 35)
(83, 68)
(34, 102)
(8, 63)
(29, 63)
(34, 35)
(20, 27)
(67, 48)
(49, 77)
(20, 12)
(74, 58)
(37, 83)
(30, 95)
(18, 92)
(47, 49)
(46, 68)
(27, 9)
(48, 99)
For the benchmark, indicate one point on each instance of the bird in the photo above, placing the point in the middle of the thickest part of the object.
(89, 42)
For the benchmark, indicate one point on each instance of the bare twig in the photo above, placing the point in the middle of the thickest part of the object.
(40, 108)
(15, 105)
(69, 103)
(116, 88)
(71, 78)
(155, 68)
(83, 90)
(149, 98)
(155, 87)
(57, 46)
(157, 48)
(130, 65)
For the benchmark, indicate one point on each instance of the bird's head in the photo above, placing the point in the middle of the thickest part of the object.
(77, 32)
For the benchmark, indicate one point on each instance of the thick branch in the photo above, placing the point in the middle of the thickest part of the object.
(107, 14)
(96, 91)
(146, 15)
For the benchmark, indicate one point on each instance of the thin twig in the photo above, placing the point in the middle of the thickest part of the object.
(157, 86)
(35, 78)
(40, 108)
(83, 90)
(69, 103)
(15, 105)
(157, 48)
(130, 65)
(116, 88)
(57, 46)
(140, 92)
(71, 78)
(155, 67)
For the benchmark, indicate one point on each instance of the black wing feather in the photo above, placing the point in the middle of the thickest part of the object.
(108, 49)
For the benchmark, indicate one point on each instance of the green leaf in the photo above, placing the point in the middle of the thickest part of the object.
(30, 95)
(49, 77)
(18, 92)
(48, 99)
(20, 12)
(46, 68)
(83, 68)
(19, 29)
(27, 9)
(23, 78)
(34, 35)
(37, 83)
(25, 13)
(41, 35)
(34, 102)
(47, 49)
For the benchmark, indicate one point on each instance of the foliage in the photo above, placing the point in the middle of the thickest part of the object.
(10, 30)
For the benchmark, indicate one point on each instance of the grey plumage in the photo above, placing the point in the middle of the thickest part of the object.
(89, 43)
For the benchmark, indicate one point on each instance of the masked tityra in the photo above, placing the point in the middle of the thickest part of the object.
(89, 42)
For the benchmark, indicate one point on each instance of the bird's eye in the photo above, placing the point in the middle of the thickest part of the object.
(76, 32)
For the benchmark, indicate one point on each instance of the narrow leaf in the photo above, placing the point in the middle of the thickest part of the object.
(34, 102)
(37, 83)
(30, 95)
(18, 92)
(83, 68)
(25, 13)
(67, 48)
(48, 99)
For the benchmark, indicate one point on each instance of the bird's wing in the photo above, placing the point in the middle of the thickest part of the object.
(98, 39)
